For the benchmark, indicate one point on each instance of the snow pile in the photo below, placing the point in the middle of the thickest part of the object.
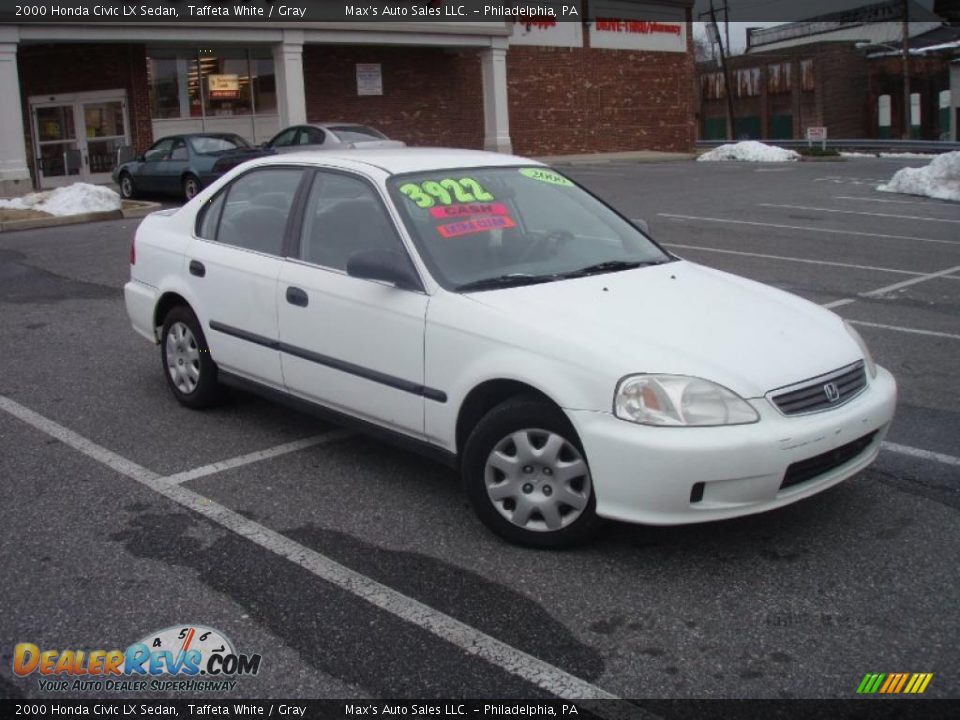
(940, 179)
(750, 151)
(844, 153)
(908, 155)
(68, 200)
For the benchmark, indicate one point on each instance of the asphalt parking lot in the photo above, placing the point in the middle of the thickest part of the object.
(358, 570)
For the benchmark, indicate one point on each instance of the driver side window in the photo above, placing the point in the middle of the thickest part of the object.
(159, 151)
(285, 138)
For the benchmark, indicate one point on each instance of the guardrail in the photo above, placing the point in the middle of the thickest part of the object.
(924, 146)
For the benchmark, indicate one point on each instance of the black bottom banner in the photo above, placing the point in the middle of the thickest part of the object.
(540, 710)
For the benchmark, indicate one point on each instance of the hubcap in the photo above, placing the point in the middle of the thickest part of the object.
(537, 480)
(183, 358)
(191, 189)
(126, 186)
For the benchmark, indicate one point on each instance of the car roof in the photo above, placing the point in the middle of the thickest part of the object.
(401, 160)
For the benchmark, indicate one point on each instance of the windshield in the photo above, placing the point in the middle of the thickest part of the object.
(356, 133)
(477, 227)
(205, 145)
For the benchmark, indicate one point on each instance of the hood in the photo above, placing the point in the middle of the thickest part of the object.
(682, 319)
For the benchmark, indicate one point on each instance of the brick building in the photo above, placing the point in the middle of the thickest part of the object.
(842, 73)
(535, 87)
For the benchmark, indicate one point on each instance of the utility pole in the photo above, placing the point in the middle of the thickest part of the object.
(731, 130)
(905, 45)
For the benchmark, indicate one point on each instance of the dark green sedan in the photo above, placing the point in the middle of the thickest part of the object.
(184, 164)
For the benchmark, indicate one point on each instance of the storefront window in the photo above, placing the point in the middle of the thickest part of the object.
(210, 82)
(172, 77)
(263, 82)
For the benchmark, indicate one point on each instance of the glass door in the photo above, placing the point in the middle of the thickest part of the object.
(56, 146)
(104, 131)
(76, 137)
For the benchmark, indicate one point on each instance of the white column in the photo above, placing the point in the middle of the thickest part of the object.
(954, 100)
(288, 67)
(14, 174)
(496, 114)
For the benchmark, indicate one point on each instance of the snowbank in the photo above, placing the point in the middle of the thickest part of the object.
(68, 200)
(940, 179)
(750, 151)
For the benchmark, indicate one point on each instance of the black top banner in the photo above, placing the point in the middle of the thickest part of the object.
(455, 11)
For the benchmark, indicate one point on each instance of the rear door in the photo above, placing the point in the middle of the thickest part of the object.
(352, 344)
(232, 266)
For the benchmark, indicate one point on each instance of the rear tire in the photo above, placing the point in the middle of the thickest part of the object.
(527, 476)
(190, 371)
(191, 186)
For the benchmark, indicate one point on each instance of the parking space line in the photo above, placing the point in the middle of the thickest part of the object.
(898, 328)
(928, 203)
(829, 263)
(472, 641)
(857, 212)
(891, 288)
(922, 454)
(829, 231)
(253, 457)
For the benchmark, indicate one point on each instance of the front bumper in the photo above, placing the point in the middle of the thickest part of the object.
(646, 474)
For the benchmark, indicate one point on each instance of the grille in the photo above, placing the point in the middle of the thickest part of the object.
(821, 393)
(813, 467)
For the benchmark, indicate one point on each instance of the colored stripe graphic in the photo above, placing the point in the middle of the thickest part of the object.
(894, 683)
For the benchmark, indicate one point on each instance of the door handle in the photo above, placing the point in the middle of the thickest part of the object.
(296, 296)
(197, 268)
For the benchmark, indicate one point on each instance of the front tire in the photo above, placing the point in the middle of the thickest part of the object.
(190, 371)
(127, 189)
(191, 186)
(527, 476)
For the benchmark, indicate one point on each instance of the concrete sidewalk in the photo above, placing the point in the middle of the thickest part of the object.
(638, 156)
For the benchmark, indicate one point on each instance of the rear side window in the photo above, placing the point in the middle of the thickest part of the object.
(252, 212)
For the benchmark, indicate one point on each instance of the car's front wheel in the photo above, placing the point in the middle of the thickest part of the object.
(127, 189)
(191, 186)
(190, 371)
(527, 477)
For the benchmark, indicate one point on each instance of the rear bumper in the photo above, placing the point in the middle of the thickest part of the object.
(141, 301)
(648, 474)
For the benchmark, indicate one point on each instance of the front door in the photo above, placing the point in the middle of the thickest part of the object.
(76, 136)
(352, 344)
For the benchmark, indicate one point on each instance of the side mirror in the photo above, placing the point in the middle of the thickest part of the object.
(387, 265)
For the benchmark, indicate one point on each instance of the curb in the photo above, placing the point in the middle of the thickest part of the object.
(131, 209)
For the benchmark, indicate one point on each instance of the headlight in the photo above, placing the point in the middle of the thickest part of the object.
(677, 400)
(867, 357)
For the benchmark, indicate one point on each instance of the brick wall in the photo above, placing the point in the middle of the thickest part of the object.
(430, 96)
(561, 100)
(574, 100)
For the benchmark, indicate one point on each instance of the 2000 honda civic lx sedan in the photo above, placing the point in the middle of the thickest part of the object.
(487, 310)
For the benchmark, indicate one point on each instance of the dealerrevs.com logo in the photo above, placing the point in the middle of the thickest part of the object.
(184, 658)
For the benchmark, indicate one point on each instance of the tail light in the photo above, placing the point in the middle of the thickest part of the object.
(133, 250)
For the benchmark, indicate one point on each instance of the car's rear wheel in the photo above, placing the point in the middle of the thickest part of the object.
(527, 477)
(127, 189)
(190, 371)
(191, 186)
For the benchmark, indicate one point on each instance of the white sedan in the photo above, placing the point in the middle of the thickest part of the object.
(488, 311)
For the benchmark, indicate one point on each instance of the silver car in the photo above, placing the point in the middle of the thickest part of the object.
(322, 136)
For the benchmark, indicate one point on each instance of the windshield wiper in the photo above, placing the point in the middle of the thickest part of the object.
(504, 281)
(611, 266)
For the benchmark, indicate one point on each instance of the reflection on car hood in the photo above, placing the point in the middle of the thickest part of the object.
(682, 319)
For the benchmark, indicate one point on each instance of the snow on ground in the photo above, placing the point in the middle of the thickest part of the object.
(844, 153)
(908, 155)
(940, 179)
(68, 200)
(749, 151)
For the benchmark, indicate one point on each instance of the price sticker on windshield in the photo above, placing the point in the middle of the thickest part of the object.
(446, 191)
(545, 176)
